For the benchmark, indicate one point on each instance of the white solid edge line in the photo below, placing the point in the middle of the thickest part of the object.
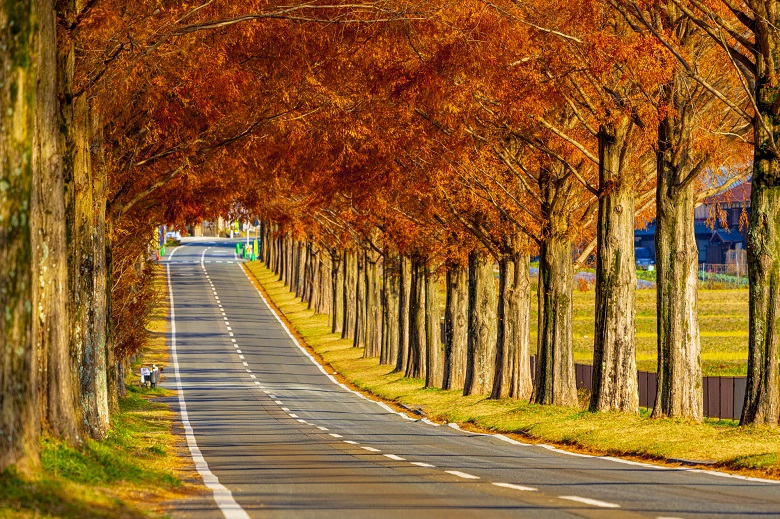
(460, 474)
(222, 496)
(515, 487)
(588, 501)
(561, 451)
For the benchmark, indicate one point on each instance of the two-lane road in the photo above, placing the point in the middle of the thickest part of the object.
(274, 435)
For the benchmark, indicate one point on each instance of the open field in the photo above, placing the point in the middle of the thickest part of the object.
(130, 474)
(751, 450)
(723, 322)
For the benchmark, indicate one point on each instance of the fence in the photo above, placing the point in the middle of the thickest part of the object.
(724, 397)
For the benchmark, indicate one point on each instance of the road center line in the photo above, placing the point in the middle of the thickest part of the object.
(394, 457)
(460, 474)
(588, 501)
(222, 495)
(515, 487)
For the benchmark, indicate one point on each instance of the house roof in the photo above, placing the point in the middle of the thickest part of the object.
(739, 194)
(725, 236)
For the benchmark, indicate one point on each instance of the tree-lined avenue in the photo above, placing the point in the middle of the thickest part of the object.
(286, 440)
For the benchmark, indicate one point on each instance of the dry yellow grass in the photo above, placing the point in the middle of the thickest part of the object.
(750, 450)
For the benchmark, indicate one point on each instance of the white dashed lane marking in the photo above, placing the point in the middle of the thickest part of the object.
(515, 487)
(370, 449)
(394, 457)
(460, 474)
(421, 464)
(588, 501)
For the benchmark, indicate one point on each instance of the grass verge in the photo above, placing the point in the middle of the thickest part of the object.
(130, 474)
(747, 450)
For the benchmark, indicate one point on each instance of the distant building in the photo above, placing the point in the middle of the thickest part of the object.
(719, 238)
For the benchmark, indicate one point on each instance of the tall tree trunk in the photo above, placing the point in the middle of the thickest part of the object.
(615, 385)
(50, 252)
(303, 269)
(373, 305)
(434, 361)
(518, 306)
(290, 261)
(390, 323)
(415, 367)
(762, 398)
(20, 58)
(361, 300)
(350, 295)
(680, 393)
(337, 290)
(456, 325)
(404, 294)
(513, 363)
(115, 386)
(87, 277)
(555, 382)
(481, 353)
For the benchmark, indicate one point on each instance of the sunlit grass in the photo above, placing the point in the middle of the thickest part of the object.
(749, 449)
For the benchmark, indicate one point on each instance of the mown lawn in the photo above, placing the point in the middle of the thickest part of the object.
(130, 474)
(751, 450)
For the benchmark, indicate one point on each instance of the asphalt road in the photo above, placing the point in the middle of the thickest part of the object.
(274, 435)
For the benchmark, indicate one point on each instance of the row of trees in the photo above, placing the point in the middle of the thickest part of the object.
(431, 138)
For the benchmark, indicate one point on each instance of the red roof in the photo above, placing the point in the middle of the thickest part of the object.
(740, 193)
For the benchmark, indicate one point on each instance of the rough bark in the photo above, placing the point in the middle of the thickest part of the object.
(373, 305)
(350, 295)
(361, 301)
(513, 362)
(50, 252)
(337, 290)
(390, 324)
(555, 381)
(404, 293)
(680, 392)
(762, 398)
(615, 385)
(481, 353)
(456, 319)
(434, 358)
(87, 274)
(415, 367)
(19, 58)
